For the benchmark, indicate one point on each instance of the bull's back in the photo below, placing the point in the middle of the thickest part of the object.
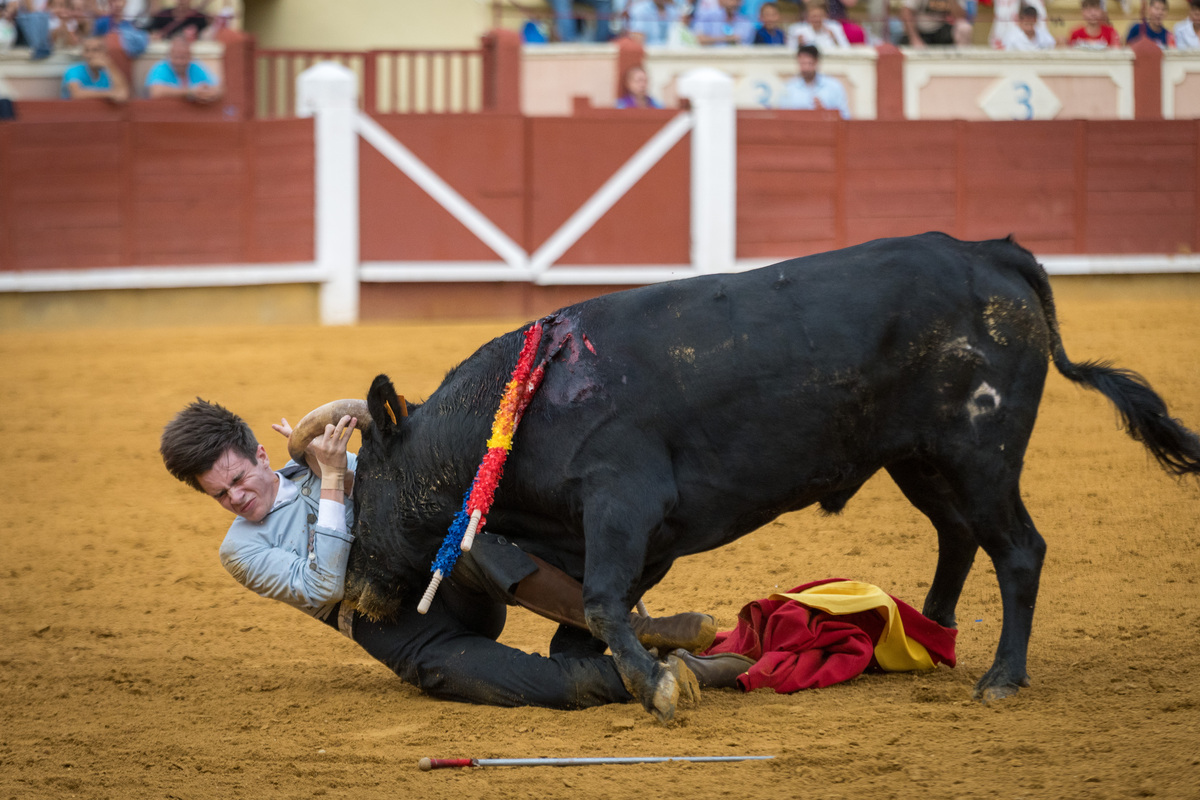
(792, 333)
(772, 387)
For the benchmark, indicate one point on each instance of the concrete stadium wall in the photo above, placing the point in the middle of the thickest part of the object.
(975, 83)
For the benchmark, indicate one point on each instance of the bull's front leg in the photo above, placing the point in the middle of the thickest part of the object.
(616, 538)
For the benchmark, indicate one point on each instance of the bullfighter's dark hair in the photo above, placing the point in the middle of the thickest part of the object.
(808, 49)
(193, 441)
(1027, 11)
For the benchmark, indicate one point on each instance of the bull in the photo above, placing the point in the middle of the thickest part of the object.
(677, 417)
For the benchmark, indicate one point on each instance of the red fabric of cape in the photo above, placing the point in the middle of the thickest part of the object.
(798, 647)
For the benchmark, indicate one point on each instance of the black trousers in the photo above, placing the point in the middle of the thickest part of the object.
(452, 653)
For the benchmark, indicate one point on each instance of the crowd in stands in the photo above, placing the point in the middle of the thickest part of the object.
(823, 25)
(1017, 24)
(110, 33)
(46, 25)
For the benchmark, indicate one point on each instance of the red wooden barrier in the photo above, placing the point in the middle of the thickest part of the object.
(528, 175)
(142, 193)
(1061, 187)
(114, 187)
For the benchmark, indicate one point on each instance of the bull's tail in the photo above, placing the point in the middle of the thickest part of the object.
(1143, 412)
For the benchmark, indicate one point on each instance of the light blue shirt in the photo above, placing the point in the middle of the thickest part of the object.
(79, 73)
(161, 74)
(655, 27)
(798, 94)
(289, 555)
(714, 22)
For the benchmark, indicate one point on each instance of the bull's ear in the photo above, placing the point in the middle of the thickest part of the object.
(387, 408)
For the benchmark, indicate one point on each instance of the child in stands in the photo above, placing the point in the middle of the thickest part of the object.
(1094, 34)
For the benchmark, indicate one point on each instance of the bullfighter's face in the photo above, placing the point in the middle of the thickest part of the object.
(242, 486)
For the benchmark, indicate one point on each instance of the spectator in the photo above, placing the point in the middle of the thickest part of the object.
(568, 26)
(33, 21)
(769, 31)
(817, 29)
(855, 34)
(651, 20)
(932, 22)
(68, 23)
(1030, 33)
(1151, 27)
(812, 90)
(634, 87)
(222, 20)
(133, 39)
(1187, 31)
(1005, 19)
(181, 77)
(95, 77)
(182, 19)
(1094, 34)
(723, 25)
(8, 28)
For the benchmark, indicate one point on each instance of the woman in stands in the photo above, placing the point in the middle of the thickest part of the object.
(634, 87)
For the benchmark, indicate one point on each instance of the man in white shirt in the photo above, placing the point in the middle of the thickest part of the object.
(1005, 17)
(1187, 31)
(1030, 33)
(817, 30)
(812, 90)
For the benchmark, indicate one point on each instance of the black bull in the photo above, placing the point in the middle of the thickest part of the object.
(681, 416)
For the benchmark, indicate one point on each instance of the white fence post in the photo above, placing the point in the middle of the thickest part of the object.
(714, 168)
(329, 92)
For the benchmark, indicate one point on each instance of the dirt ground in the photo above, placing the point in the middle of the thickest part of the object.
(133, 666)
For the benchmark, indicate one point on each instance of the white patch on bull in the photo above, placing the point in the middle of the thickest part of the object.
(959, 346)
(984, 400)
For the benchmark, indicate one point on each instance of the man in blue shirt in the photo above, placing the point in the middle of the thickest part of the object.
(723, 25)
(651, 20)
(812, 90)
(96, 77)
(181, 77)
(291, 541)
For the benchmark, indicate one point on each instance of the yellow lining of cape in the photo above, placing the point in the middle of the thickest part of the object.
(895, 651)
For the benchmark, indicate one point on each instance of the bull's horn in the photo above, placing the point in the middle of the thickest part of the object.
(314, 423)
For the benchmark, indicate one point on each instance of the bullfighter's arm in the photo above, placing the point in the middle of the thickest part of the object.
(273, 558)
(265, 564)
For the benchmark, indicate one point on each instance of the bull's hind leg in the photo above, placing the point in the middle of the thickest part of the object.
(991, 504)
(926, 489)
(1017, 551)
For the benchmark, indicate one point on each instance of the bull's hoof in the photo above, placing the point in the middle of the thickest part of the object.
(994, 693)
(673, 685)
(996, 685)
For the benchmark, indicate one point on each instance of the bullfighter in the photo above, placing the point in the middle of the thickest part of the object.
(291, 541)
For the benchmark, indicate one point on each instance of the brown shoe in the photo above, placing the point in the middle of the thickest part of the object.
(689, 631)
(716, 672)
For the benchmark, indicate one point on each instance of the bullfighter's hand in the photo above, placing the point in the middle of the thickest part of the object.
(284, 429)
(330, 451)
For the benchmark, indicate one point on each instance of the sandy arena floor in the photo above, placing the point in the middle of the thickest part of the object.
(134, 666)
